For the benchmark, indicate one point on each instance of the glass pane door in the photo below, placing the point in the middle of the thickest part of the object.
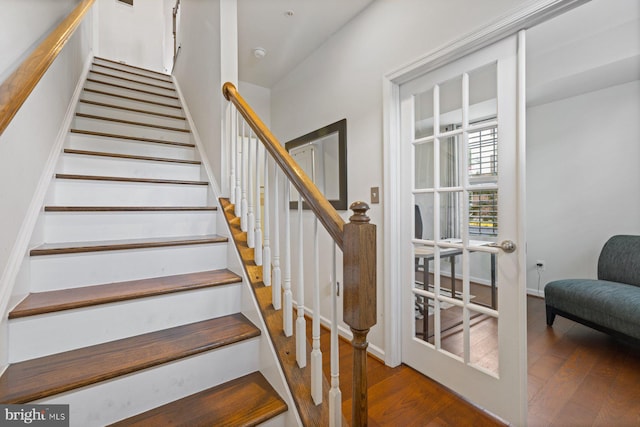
(463, 293)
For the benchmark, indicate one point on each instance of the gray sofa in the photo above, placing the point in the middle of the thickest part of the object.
(609, 304)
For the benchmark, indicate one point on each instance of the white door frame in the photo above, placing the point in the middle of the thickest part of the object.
(528, 16)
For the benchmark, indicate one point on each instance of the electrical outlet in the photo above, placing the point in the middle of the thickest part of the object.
(541, 265)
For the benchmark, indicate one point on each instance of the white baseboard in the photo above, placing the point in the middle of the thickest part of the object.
(476, 280)
(373, 349)
(535, 292)
(21, 245)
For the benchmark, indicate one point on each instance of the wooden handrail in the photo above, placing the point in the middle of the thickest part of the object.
(326, 213)
(357, 239)
(19, 85)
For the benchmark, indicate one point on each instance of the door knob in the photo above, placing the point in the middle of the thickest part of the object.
(506, 245)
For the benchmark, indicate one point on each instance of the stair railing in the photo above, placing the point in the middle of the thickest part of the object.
(357, 240)
(19, 85)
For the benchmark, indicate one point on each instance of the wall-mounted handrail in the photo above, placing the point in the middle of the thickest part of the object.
(175, 30)
(19, 85)
(325, 212)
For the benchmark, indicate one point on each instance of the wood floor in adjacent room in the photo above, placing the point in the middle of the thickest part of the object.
(577, 377)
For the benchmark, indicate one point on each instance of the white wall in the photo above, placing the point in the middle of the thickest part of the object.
(22, 28)
(259, 98)
(134, 34)
(343, 78)
(200, 73)
(582, 140)
(26, 145)
(583, 179)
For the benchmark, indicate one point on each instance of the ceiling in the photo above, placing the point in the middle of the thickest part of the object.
(589, 48)
(287, 40)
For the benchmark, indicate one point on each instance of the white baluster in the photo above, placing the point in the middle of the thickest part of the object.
(258, 227)
(335, 395)
(244, 204)
(266, 253)
(301, 322)
(316, 354)
(276, 288)
(287, 316)
(238, 191)
(251, 220)
(233, 136)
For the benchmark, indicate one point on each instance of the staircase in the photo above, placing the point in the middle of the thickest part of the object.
(133, 317)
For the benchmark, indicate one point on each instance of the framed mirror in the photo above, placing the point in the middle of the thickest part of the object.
(322, 154)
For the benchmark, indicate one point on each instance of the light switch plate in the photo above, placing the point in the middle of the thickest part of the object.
(375, 195)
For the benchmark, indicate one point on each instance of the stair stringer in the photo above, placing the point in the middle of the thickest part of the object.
(14, 282)
(269, 363)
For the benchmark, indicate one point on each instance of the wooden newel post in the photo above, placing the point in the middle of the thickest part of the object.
(359, 299)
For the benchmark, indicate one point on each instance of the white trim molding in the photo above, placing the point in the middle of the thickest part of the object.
(532, 14)
(527, 16)
(21, 245)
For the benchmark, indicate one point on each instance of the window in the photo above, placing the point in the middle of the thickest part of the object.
(483, 168)
(483, 155)
(483, 212)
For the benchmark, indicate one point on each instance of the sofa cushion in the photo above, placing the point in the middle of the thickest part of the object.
(620, 260)
(610, 304)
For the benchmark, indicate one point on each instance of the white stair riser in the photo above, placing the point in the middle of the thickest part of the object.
(105, 126)
(131, 103)
(278, 421)
(112, 166)
(46, 334)
(126, 81)
(89, 226)
(52, 272)
(125, 67)
(127, 146)
(131, 92)
(123, 397)
(71, 192)
(117, 113)
(138, 75)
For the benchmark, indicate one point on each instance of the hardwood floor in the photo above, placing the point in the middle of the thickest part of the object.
(577, 377)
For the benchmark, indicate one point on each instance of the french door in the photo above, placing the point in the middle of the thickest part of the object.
(463, 297)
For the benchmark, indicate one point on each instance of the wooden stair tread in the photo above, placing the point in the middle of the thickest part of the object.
(133, 110)
(45, 376)
(128, 208)
(130, 156)
(116, 245)
(245, 401)
(131, 72)
(129, 122)
(148, 92)
(133, 66)
(132, 138)
(68, 299)
(131, 98)
(100, 73)
(128, 179)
